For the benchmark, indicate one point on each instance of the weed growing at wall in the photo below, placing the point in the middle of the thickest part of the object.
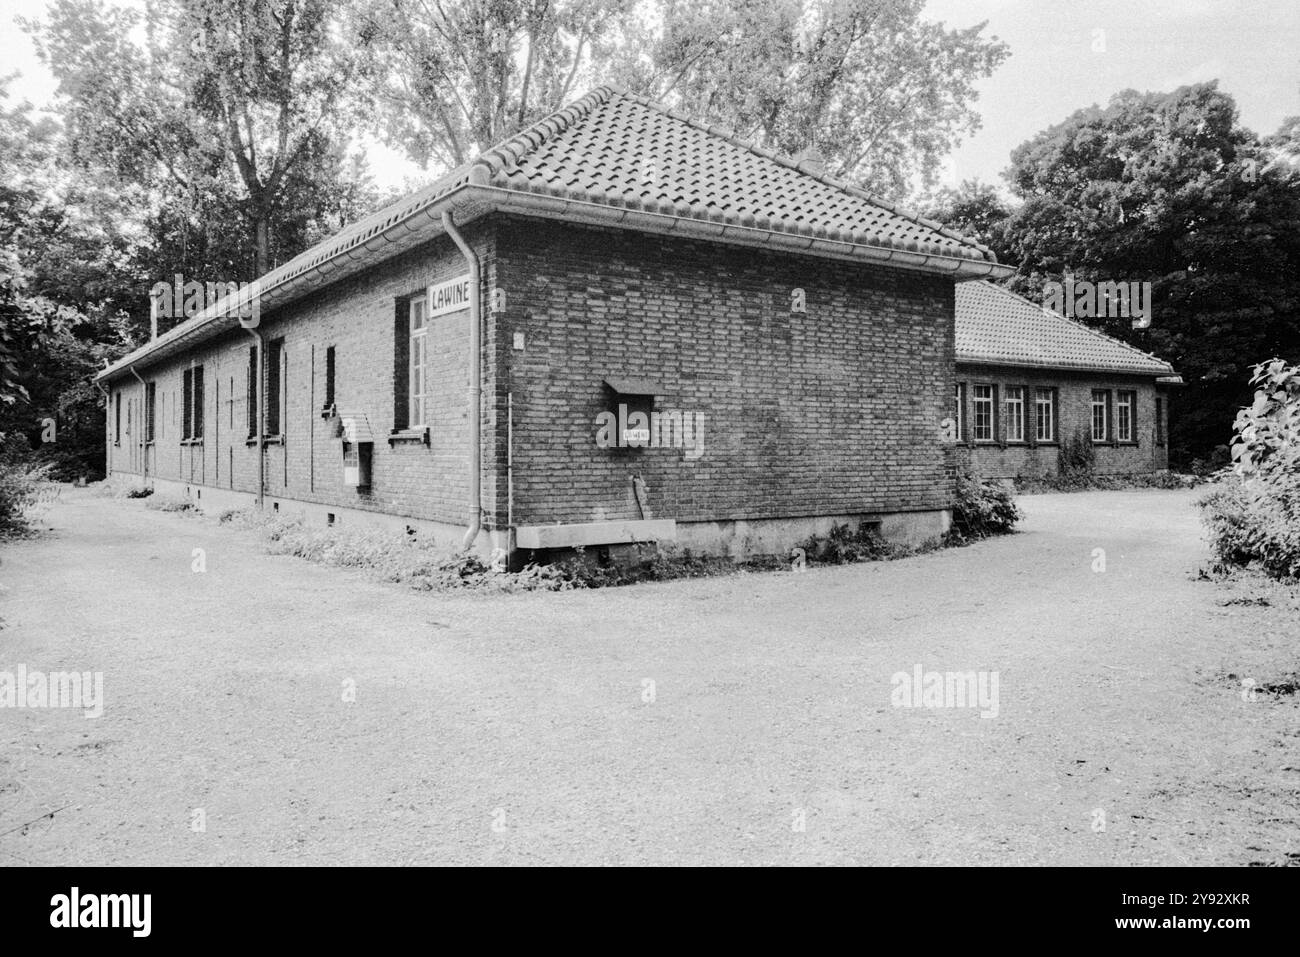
(1100, 482)
(163, 503)
(981, 509)
(1078, 458)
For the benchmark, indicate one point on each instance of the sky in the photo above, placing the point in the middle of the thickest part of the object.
(1252, 47)
(1065, 55)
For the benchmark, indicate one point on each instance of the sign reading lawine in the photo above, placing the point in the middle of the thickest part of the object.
(449, 296)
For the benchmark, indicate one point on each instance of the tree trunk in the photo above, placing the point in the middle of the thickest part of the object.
(263, 228)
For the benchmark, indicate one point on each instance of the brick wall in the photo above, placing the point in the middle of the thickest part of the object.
(1074, 397)
(832, 411)
(357, 317)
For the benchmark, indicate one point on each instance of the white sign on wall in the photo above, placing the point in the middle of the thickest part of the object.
(449, 296)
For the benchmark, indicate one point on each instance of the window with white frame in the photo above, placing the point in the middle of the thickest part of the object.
(983, 413)
(1100, 415)
(1015, 416)
(1045, 415)
(419, 331)
(1124, 404)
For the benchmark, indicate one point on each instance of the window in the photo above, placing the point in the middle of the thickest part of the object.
(959, 400)
(117, 419)
(1125, 402)
(329, 377)
(1160, 421)
(417, 349)
(150, 398)
(192, 404)
(1015, 416)
(274, 385)
(983, 413)
(251, 399)
(1100, 415)
(187, 378)
(1045, 415)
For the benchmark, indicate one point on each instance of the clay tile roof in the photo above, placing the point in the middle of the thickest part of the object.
(634, 162)
(617, 149)
(997, 327)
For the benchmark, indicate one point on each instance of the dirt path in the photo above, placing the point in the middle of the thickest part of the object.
(514, 729)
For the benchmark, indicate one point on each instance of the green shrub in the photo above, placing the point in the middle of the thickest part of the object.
(24, 489)
(1077, 458)
(392, 556)
(981, 509)
(1253, 515)
(139, 492)
(846, 545)
(164, 503)
(1096, 482)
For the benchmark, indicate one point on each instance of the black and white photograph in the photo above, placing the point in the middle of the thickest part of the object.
(650, 433)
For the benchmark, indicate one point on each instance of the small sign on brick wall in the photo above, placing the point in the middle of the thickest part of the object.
(449, 296)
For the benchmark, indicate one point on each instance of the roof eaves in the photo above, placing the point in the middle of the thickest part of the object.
(1111, 340)
(1075, 365)
(277, 286)
(560, 207)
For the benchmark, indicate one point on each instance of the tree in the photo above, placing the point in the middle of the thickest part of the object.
(450, 78)
(225, 122)
(883, 93)
(974, 208)
(1168, 188)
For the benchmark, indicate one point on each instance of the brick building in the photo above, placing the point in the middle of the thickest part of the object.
(1028, 377)
(667, 333)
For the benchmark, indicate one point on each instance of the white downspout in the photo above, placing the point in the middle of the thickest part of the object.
(261, 410)
(144, 448)
(475, 386)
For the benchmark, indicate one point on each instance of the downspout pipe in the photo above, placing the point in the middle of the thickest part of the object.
(260, 339)
(475, 385)
(144, 448)
(108, 420)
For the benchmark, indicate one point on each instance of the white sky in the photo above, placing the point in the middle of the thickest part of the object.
(1251, 46)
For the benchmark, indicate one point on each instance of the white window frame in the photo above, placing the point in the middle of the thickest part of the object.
(1124, 420)
(417, 371)
(1044, 414)
(1101, 401)
(1015, 416)
(976, 402)
(959, 400)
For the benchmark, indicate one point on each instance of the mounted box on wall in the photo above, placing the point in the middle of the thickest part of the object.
(358, 444)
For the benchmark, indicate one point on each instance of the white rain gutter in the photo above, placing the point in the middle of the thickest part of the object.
(260, 339)
(476, 383)
(144, 449)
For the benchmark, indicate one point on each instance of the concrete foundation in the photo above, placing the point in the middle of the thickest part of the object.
(736, 539)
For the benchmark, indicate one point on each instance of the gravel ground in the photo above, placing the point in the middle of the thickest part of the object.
(514, 729)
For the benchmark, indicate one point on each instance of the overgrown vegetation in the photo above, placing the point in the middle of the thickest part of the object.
(165, 503)
(981, 508)
(393, 556)
(25, 492)
(1253, 514)
(1076, 471)
(1101, 482)
(1078, 457)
